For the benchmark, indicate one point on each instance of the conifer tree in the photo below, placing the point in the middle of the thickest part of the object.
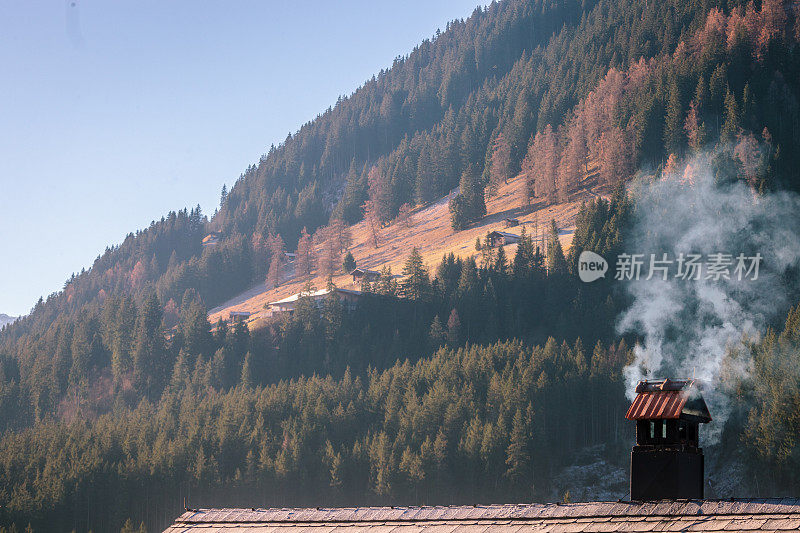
(150, 366)
(127, 527)
(341, 233)
(404, 215)
(437, 334)
(469, 205)
(366, 286)
(573, 158)
(120, 320)
(379, 193)
(425, 176)
(349, 263)
(305, 255)
(468, 281)
(415, 284)
(487, 252)
(556, 262)
(453, 328)
(82, 350)
(695, 128)
(332, 312)
(614, 157)
(717, 85)
(524, 259)
(674, 122)
(329, 256)
(518, 457)
(541, 165)
(247, 374)
(277, 255)
(500, 163)
(373, 220)
(501, 262)
(732, 121)
(387, 285)
(195, 327)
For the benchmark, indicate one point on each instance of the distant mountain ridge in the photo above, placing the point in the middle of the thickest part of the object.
(6, 319)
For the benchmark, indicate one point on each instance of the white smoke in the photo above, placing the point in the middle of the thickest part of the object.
(700, 328)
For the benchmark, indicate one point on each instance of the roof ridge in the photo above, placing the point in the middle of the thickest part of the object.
(507, 511)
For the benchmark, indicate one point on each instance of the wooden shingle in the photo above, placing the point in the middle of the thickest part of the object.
(677, 515)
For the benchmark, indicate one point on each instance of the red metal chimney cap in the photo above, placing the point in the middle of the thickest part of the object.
(669, 399)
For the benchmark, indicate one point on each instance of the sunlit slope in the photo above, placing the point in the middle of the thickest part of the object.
(431, 233)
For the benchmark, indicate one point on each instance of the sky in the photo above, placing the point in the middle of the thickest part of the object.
(114, 113)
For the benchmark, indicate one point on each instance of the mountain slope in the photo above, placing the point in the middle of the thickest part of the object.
(509, 70)
(430, 232)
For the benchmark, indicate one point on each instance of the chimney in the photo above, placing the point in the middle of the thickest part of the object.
(667, 461)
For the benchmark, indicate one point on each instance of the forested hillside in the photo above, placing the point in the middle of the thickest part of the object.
(484, 85)
(117, 399)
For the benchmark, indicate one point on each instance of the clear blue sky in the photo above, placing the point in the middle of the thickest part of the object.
(114, 113)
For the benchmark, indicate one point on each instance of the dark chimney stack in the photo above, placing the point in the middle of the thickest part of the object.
(667, 461)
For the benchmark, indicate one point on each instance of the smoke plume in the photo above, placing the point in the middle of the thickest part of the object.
(691, 327)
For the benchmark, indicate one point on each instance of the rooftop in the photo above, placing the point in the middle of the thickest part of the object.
(680, 515)
(504, 234)
(669, 399)
(364, 271)
(315, 294)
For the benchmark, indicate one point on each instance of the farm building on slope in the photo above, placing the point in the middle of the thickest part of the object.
(501, 238)
(239, 316)
(348, 298)
(361, 273)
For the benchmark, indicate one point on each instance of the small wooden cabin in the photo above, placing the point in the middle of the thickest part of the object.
(361, 273)
(501, 238)
(238, 316)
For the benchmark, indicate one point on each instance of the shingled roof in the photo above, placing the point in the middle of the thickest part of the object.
(682, 515)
